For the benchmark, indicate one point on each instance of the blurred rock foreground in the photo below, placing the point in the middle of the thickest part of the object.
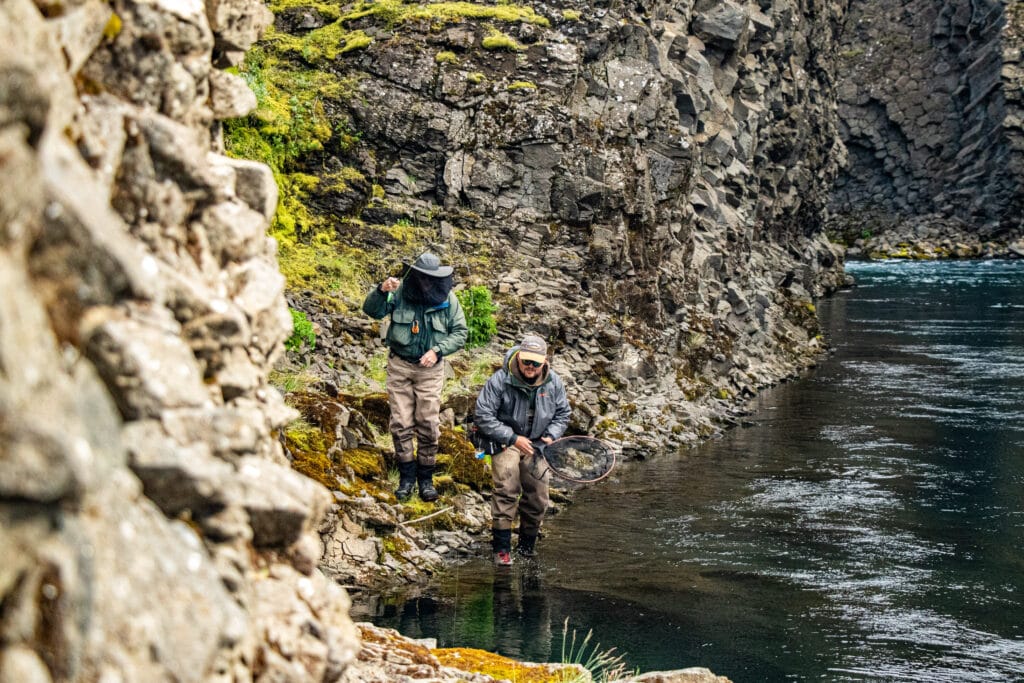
(657, 197)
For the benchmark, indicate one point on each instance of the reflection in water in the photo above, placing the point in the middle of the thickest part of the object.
(504, 611)
(868, 526)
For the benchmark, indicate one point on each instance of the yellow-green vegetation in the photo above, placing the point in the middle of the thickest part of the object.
(479, 368)
(446, 57)
(365, 463)
(395, 545)
(335, 39)
(289, 123)
(308, 448)
(323, 44)
(496, 40)
(340, 180)
(288, 380)
(378, 369)
(571, 15)
(503, 668)
(521, 85)
(396, 12)
(457, 457)
(475, 77)
(113, 27)
(405, 232)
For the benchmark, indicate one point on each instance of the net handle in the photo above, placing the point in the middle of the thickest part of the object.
(540, 447)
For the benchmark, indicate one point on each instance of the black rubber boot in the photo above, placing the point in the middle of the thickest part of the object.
(501, 543)
(425, 476)
(527, 545)
(406, 479)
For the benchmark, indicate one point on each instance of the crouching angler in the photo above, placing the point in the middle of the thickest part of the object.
(427, 324)
(522, 403)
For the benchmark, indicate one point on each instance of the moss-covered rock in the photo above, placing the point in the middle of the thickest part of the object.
(457, 457)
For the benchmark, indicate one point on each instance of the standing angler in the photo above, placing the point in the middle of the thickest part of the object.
(427, 324)
(522, 403)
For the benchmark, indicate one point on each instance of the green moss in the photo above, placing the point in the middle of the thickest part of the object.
(571, 15)
(446, 57)
(326, 43)
(496, 40)
(395, 545)
(521, 85)
(328, 11)
(475, 77)
(457, 457)
(308, 448)
(338, 181)
(366, 463)
(405, 232)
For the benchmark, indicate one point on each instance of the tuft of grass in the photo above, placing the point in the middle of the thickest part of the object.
(601, 666)
(289, 381)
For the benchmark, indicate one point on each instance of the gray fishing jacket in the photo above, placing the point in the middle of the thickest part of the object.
(503, 406)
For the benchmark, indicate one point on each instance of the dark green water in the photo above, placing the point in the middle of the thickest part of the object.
(868, 525)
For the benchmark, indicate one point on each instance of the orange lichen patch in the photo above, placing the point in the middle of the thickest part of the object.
(503, 668)
(395, 642)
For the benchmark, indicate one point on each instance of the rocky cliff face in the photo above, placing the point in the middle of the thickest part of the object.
(642, 183)
(930, 103)
(150, 527)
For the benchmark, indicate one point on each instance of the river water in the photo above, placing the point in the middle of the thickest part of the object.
(866, 524)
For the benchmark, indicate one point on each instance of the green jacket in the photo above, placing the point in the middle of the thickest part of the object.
(441, 328)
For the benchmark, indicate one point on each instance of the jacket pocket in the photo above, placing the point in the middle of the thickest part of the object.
(400, 332)
(439, 323)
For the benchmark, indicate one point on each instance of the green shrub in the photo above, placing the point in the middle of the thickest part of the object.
(303, 332)
(479, 309)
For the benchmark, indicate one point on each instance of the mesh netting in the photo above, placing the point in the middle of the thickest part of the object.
(579, 458)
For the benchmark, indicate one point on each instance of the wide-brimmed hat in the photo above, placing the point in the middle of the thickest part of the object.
(430, 264)
(533, 348)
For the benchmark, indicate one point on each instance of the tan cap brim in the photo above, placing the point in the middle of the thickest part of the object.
(526, 355)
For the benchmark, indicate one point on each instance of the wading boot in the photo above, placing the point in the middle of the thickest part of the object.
(406, 479)
(501, 543)
(425, 475)
(527, 545)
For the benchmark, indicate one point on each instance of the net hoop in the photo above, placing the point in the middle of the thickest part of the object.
(591, 441)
